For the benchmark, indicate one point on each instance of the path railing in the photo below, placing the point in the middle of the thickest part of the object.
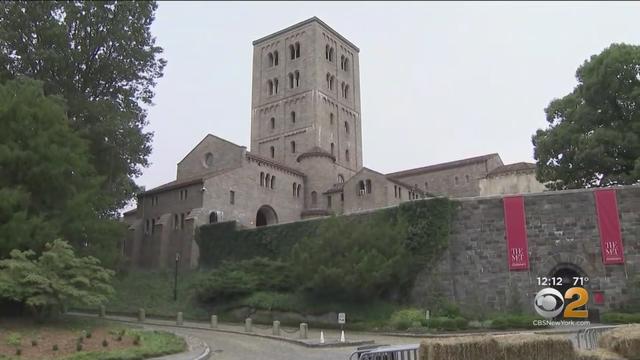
(386, 352)
(588, 338)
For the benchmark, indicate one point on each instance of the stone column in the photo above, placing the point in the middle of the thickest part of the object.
(248, 326)
(103, 311)
(179, 319)
(141, 315)
(304, 331)
(276, 328)
(214, 321)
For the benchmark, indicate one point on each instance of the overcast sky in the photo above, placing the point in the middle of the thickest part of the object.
(439, 81)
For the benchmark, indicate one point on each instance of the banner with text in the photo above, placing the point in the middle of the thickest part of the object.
(515, 226)
(609, 226)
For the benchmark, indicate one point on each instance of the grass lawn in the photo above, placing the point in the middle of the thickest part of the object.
(82, 340)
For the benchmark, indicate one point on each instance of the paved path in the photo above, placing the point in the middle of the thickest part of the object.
(230, 341)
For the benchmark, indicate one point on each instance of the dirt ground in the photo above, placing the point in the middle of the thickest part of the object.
(16, 334)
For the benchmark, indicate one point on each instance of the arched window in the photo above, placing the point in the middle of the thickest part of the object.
(262, 179)
(272, 123)
(331, 82)
(295, 186)
(292, 52)
(270, 59)
(297, 50)
(345, 66)
(275, 86)
(298, 190)
(176, 222)
(342, 62)
(314, 198)
(466, 178)
(426, 185)
(361, 188)
(273, 152)
(346, 155)
(275, 58)
(342, 88)
(331, 119)
(213, 217)
(331, 54)
(346, 92)
(267, 180)
(326, 52)
(328, 81)
(332, 148)
(290, 81)
(297, 83)
(273, 182)
(368, 186)
(270, 87)
(455, 180)
(340, 178)
(293, 147)
(346, 127)
(293, 117)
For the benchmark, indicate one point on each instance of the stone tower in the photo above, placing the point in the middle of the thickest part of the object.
(306, 97)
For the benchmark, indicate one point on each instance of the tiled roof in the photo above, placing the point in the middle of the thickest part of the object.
(515, 167)
(336, 188)
(275, 163)
(443, 166)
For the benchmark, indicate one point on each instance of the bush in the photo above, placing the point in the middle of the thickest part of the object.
(234, 279)
(55, 347)
(622, 340)
(404, 319)
(620, 318)
(514, 322)
(105, 343)
(445, 323)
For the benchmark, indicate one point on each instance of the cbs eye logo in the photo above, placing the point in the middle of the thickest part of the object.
(549, 303)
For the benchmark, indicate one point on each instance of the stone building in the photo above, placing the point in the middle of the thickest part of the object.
(305, 159)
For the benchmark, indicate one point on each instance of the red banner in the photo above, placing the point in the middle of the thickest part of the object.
(515, 227)
(609, 225)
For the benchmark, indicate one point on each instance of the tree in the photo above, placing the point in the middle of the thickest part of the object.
(55, 279)
(48, 187)
(102, 58)
(593, 137)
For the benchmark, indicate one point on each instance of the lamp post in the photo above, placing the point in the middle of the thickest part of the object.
(175, 282)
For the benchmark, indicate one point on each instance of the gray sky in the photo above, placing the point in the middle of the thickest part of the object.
(439, 81)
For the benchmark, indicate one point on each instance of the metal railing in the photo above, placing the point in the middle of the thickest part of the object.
(588, 338)
(386, 352)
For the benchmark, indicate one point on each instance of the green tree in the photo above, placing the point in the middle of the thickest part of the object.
(102, 58)
(352, 259)
(48, 187)
(593, 137)
(54, 280)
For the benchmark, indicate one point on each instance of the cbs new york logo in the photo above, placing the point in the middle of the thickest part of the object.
(549, 303)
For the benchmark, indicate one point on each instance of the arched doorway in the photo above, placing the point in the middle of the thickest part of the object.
(213, 217)
(266, 216)
(568, 273)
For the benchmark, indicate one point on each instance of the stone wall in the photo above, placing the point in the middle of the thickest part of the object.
(562, 231)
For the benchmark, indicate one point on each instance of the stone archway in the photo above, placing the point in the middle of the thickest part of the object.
(266, 216)
(567, 271)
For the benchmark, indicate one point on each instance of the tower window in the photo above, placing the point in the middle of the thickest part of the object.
(270, 87)
(295, 186)
(176, 223)
(273, 152)
(466, 178)
(368, 186)
(292, 52)
(328, 81)
(331, 119)
(346, 155)
(267, 180)
(272, 122)
(261, 179)
(297, 50)
(340, 178)
(275, 58)
(298, 190)
(270, 59)
(345, 66)
(232, 197)
(332, 148)
(331, 54)
(290, 81)
(293, 147)
(331, 82)
(275, 86)
(346, 91)
(297, 76)
(273, 182)
(293, 117)
(342, 58)
(346, 127)
(326, 52)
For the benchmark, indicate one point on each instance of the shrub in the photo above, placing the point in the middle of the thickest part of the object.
(620, 318)
(79, 346)
(54, 347)
(14, 339)
(34, 342)
(136, 340)
(18, 352)
(514, 322)
(234, 279)
(445, 323)
(88, 335)
(105, 343)
(404, 319)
